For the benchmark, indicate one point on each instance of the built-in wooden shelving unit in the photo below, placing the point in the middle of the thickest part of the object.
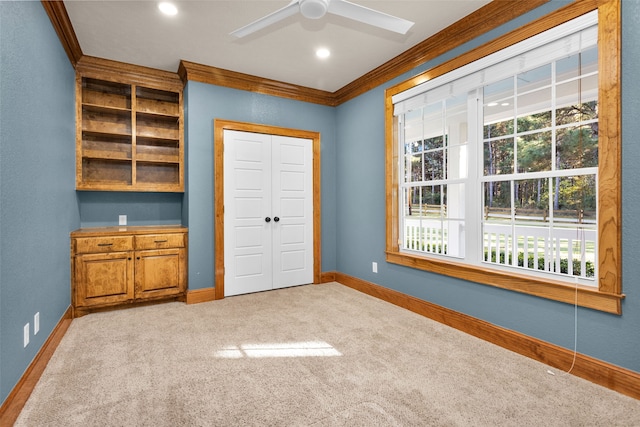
(129, 131)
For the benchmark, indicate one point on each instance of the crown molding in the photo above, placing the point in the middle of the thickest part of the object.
(221, 77)
(62, 24)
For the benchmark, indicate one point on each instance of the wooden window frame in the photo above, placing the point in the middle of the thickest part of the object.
(608, 295)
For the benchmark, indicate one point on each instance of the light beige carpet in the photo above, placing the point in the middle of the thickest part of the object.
(322, 355)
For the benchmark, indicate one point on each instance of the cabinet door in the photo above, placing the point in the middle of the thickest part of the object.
(160, 272)
(103, 278)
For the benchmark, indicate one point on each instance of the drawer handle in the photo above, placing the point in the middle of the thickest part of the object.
(160, 241)
(105, 244)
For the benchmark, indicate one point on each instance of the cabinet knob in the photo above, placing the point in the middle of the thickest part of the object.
(267, 219)
(276, 219)
(137, 257)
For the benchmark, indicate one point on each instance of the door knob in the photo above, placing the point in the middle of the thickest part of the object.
(276, 219)
(267, 219)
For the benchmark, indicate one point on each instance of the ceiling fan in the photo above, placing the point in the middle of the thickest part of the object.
(316, 9)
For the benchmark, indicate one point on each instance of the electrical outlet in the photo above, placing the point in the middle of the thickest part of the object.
(374, 267)
(26, 334)
(122, 220)
(36, 323)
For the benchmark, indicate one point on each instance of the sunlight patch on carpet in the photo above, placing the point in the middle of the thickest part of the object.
(289, 349)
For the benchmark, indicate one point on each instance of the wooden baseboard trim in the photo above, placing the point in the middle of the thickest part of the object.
(16, 400)
(597, 371)
(327, 276)
(197, 296)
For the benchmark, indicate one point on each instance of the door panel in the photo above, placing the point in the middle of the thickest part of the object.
(247, 198)
(293, 203)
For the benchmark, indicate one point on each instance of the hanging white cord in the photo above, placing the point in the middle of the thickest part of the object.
(575, 330)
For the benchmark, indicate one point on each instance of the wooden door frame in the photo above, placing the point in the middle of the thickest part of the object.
(219, 126)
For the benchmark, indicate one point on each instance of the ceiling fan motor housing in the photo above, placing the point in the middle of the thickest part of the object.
(314, 9)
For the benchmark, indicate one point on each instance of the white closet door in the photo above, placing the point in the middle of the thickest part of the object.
(247, 202)
(293, 205)
(268, 212)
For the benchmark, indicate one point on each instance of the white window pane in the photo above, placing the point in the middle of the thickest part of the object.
(431, 199)
(498, 108)
(534, 110)
(531, 199)
(497, 129)
(534, 152)
(432, 120)
(534, 79)
(577, 147)
(574, 199)
(434, 162)
(577, 64)
(497, 201)
(416, 168)
(498, 156)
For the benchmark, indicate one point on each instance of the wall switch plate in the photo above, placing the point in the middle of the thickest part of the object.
(36, 323)
(374, 267)
(26, 334)
(122, 220)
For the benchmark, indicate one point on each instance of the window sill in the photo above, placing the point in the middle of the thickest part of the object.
(553, 290)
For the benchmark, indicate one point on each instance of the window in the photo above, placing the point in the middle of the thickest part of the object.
(540, 164)
(498, 166)
(435, 175)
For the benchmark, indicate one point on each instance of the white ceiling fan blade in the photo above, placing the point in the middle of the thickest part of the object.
(280, 14)
(369, 16)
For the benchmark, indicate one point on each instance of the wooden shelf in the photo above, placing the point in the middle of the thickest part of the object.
(105, 171)
(157, 157)
(106, 109)
(160, 108)
(129, 135)
(106, 93)
(156, 172)
(92, 141)
(106, 155)
(106, 120)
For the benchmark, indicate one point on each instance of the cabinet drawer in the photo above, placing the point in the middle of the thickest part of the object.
(160, 241)
(86, 245)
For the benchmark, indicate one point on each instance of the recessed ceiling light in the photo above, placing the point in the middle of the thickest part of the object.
(168, 8)
(323, 53)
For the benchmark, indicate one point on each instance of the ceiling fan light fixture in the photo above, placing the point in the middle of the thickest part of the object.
(323, 53)
(314, 9)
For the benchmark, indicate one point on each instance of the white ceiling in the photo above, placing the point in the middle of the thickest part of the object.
(136, 32)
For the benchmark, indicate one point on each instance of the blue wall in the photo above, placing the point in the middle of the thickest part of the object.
(102, 208)
(204, 103)
(360, 130)
(38, 205)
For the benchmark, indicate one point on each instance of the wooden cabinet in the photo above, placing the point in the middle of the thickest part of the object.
(129, 130)
(113, 266)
